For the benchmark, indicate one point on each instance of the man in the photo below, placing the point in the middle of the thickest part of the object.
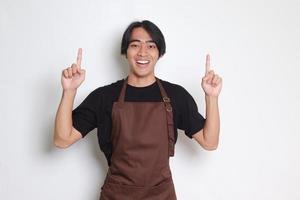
(137, 118)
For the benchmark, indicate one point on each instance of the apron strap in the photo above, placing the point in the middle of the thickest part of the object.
(170, 121)
(123, 90)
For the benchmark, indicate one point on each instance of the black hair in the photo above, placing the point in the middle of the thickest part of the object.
(152, 29)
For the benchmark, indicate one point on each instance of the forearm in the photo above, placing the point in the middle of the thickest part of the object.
(63, 119)
(212, 123)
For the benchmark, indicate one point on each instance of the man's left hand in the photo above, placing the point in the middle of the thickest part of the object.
(211, 82)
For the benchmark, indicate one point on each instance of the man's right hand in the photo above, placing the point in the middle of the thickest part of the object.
(73, 76)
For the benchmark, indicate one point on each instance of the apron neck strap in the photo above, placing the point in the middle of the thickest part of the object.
(161, 88)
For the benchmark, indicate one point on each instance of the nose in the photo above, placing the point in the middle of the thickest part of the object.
(143, 50)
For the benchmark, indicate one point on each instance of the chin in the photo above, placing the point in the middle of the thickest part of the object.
(141, 74)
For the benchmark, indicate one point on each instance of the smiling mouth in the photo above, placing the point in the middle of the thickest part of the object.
(142, 62)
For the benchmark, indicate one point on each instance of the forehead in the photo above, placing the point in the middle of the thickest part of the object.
(140, 34)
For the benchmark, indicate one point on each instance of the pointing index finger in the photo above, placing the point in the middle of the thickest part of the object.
(79, 57)
(207, 64)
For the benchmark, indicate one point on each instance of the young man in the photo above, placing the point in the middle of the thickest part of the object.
(137, 118)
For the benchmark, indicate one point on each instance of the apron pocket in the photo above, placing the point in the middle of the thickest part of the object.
(115, 191)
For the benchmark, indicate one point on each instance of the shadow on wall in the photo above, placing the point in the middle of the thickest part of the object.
(188, 147)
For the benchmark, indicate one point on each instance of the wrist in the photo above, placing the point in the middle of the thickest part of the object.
(211, 98)
(69, 91)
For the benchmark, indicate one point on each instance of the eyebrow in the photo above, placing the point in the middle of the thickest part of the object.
(135, 40)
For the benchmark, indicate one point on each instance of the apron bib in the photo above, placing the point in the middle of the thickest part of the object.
(142, 142)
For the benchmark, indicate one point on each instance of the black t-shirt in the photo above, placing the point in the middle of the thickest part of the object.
(95, 110)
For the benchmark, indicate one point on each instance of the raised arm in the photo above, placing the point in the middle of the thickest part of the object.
(208, 137)
(72, 77)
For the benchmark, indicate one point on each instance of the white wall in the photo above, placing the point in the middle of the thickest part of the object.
(254, 46)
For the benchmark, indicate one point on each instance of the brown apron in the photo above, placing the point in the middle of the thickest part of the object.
(142, 141)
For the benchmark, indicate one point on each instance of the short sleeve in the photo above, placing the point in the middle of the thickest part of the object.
(84, 117)
(190, 120)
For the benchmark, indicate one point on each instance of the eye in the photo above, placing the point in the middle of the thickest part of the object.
(134, 45)
(151, 46)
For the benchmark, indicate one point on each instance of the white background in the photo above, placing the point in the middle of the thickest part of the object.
(254, 46)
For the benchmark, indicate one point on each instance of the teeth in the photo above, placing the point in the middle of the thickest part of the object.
(142, 61)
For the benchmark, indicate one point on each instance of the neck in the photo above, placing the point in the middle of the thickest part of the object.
(140, 81)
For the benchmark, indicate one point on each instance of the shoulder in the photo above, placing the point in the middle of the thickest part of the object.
(180, 97)
(110, 90)
(173, 88)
